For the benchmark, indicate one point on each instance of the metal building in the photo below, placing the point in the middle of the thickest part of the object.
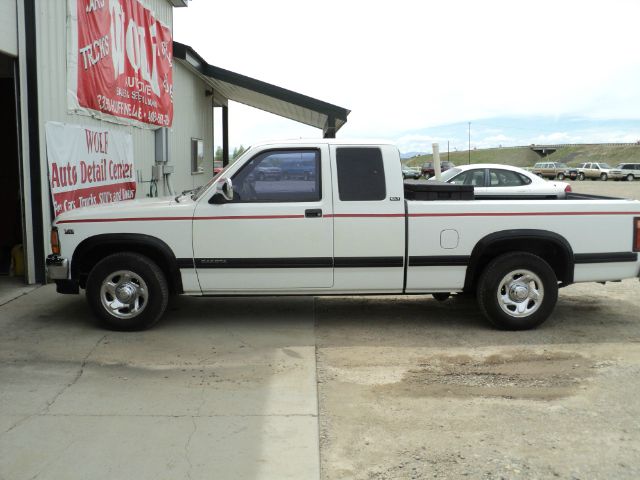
(36, 50)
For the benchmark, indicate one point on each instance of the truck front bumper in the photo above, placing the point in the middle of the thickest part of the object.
(58, 271)
(57, 267)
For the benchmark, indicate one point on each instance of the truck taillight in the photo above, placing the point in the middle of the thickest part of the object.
(567, 189)
(55, 241)
(636, 234)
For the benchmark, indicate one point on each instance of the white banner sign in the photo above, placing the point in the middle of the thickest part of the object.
(88, 166)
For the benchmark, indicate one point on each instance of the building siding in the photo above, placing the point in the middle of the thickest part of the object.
(194, 120)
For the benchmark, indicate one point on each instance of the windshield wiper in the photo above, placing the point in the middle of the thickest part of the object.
(186, 192)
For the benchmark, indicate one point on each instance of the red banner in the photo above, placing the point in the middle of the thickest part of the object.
(120, 62)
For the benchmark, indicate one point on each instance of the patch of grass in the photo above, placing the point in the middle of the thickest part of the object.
(516, 156)
(611, 154)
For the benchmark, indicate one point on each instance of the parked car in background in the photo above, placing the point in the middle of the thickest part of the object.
(408, 172)
(298, 169)
(268, 171)
(573, 172)
(503, 181)
(629, 171)
(428, 170)
(550, 170)
(596, 171)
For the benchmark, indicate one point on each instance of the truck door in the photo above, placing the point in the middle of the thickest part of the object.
(369, 219)
(276, 234)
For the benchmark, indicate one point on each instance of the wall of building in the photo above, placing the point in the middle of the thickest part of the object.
(51, 27)
(8, 27)
(192, 118)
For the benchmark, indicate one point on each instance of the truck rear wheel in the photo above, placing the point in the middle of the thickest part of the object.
(127, 291)
(517, 291)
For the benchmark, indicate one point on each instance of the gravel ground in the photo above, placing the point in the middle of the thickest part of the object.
(622, 189)
(414, 388)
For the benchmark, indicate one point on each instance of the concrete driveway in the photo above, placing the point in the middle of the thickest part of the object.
(222, 389)
(406, 387)
(409, 388)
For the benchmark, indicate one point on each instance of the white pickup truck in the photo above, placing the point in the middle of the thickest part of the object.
(348, 225)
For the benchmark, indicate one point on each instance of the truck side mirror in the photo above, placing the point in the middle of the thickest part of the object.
(224, 192)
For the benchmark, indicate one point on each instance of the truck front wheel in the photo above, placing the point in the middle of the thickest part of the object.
(517, 291)
(127, 291)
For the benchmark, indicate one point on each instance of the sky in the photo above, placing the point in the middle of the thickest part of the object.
(416, 72)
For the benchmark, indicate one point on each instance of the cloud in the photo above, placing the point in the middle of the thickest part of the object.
(411, 66)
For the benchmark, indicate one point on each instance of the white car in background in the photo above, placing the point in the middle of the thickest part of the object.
(504, 181)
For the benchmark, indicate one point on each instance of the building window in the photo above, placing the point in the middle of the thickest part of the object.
(197, 156)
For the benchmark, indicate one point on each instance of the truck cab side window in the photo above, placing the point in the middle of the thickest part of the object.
(360, 174)
(279, 176)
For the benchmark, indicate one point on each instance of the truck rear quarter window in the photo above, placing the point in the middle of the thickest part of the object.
(360, 174)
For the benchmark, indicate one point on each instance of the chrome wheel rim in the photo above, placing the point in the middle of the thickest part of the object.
(124, 294)
(520, 293)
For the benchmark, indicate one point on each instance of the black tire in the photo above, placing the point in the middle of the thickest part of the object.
(581, 176)
(630, 177)
(561, 176)
(127, 271)
(604, 177)
(492, 282)
(441, 296)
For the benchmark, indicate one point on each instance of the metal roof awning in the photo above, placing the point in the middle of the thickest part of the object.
(264, 96)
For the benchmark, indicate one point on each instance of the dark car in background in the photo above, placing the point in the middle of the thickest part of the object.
(298, 169)
(428, 169)
(268, 171)
(408, 172)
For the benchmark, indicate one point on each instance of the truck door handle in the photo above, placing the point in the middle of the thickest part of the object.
(313, 213)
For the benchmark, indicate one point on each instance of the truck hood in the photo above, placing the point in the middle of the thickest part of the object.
(141, 208)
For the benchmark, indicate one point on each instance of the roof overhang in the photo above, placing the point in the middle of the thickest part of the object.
(264, 96)
(178, 3)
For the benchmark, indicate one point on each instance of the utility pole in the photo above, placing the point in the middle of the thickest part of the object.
(436, 160)
(469, 143)
(447, 150)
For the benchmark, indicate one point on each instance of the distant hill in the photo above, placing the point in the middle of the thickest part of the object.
(407, 155)
(611, 154)
(525, 157)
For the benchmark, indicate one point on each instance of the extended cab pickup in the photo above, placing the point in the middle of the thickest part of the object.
(352, 226)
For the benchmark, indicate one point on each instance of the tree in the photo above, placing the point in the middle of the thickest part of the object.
(218, 156)
(238, 151)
